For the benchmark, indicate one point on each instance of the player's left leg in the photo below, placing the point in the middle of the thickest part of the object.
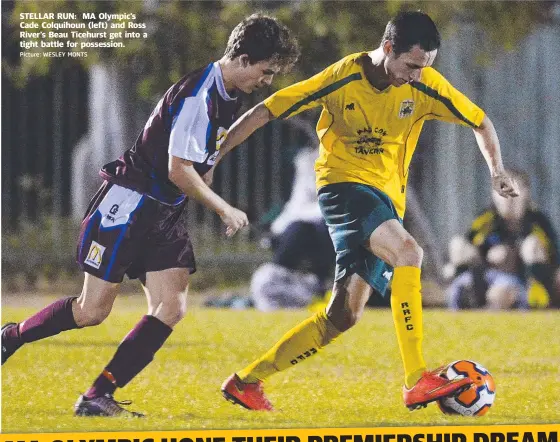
(166, 294)
(89, 309)
(395, 246)
(392, 243)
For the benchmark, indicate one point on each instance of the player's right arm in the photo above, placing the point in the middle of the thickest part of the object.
(183, 174)
(285, 103)
(187, 145)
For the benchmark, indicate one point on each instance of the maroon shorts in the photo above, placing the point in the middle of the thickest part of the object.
(125, 232)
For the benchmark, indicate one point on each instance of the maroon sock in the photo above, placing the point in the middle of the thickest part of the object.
(50, 321)
(134, 353)
(103, 384)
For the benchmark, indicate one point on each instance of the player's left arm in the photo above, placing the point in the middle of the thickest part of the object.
(242, 128)
(449, 104)
(489, 145)
(239, 131)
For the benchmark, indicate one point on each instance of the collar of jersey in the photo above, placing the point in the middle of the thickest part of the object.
(371, 86)
(220, 83)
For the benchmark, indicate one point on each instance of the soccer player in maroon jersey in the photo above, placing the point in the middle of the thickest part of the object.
(135, 223)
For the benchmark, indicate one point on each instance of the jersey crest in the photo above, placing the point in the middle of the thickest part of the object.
(407, 107)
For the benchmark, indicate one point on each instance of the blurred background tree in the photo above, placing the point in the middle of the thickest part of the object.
(184, 35)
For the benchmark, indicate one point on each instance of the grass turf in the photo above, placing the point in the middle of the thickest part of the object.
(354, 382)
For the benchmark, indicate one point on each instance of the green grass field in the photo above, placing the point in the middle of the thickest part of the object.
(354, 382)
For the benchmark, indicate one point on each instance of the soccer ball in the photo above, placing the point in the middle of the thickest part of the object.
(475, 401)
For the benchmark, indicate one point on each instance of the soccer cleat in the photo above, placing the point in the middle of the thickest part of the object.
(433, 385)
(250, 396)
(8, 348)
(103, 406)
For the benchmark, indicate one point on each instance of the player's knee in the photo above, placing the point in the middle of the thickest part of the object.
(409, 254)
(532, 251)
(92, 315)
(344, 320)
(351, 319)
(181, 309)
(173, 310)
(173, 317)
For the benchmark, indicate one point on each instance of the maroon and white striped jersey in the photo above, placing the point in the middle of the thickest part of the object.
(190, 122)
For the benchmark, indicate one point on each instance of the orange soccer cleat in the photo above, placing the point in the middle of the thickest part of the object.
(433, 385)
(250, 396)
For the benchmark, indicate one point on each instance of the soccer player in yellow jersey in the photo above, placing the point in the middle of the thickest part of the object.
(374, 105)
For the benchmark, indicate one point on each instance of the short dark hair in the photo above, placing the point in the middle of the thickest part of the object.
(263, 38)
(412, 28)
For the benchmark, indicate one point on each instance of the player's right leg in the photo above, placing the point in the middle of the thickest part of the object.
(343, 206)
(89, 309)
(346, 306)
(297, 345)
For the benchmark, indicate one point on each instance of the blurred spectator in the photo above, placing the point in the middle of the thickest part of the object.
(303, 254)
(508, 259)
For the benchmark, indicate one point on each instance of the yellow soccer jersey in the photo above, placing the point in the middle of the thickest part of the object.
(368, 136)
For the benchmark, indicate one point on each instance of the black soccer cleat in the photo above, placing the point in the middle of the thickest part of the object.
(105, 406)
(8, 346)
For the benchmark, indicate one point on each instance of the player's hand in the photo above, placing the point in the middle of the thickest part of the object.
(208, 177)
(505, 185)
(234, 219)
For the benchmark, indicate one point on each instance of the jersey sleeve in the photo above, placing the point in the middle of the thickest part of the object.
(446, 102)
(189, 129)
(304, 95)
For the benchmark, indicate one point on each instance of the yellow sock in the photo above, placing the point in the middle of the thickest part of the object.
(301, 342)
(406, 306)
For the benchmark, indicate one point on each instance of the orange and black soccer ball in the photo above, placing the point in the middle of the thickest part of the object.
(475, 401)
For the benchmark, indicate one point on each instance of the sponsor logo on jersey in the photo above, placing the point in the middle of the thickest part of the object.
(368, 144)
(407, 107)
(95, 255)
(369, 141)
(362, 150)
(364, 139)
(379, 131)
